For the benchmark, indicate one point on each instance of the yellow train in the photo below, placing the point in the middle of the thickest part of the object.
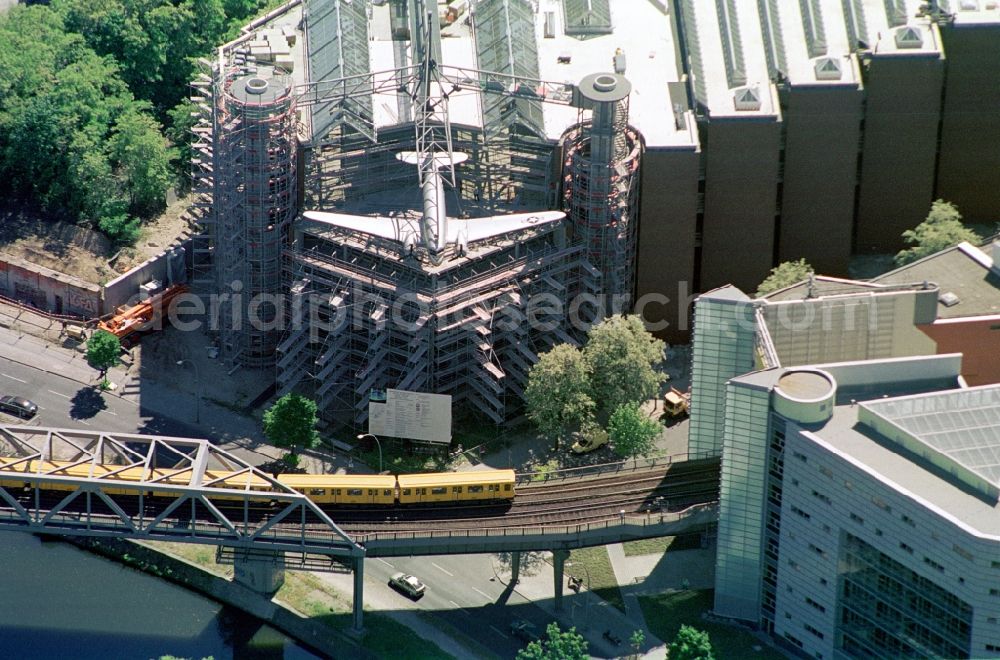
(337, 489)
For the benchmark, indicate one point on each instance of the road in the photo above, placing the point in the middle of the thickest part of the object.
(463, 592)
(66, 403)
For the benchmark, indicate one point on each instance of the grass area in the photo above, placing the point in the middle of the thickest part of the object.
(665, 613)
(383, 636)
(661, 545)
(200, 555)
(595, 565)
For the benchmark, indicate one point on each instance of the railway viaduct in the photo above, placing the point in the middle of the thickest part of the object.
(264, 532)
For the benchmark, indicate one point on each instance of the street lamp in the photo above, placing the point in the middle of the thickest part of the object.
(197, 405)
(586, 599)
(377, 444)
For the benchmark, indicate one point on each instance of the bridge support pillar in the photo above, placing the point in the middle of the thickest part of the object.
(515, 567)
(358, 565)
(559, 558)
(265, 575)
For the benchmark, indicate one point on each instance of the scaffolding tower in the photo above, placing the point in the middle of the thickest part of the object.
(601, 182)
(254, 201)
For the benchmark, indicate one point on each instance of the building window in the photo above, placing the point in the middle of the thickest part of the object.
(818, 551)
(815, 605)
(793, 639)
(908, 520)
(933, 564)
(825, 471)
(858, 519)
(882, 504)
(813, 630)
(800, 512)
(821, 497)
(965, 554)
(800, 456)
(903, 546)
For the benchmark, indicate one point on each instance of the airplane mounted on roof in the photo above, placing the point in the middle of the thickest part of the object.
(435, 162)
(436, 230)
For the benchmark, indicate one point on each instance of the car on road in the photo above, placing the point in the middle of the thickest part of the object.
(408, 584)
(18, 406)
(524, 630)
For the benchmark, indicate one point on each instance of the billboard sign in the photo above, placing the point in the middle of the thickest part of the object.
(413, 415)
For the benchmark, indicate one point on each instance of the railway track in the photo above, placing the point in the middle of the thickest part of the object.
(567, 502)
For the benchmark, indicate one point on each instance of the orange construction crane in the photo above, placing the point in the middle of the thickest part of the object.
(146, 315)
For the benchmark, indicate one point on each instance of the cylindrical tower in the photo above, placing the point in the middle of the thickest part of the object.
(601, 181)
(255, 204)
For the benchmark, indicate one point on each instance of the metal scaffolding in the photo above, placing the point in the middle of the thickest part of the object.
(255, 189)
(601, 182)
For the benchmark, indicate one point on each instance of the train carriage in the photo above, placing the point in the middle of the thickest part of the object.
(344, 488)
(472, 485)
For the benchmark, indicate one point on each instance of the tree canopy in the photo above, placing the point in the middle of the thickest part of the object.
(558, 392)
(291, 422)
(785, 274)
(941, 230)
(103, 352)
(620, 356)
(690, 644)
(632, 431)
(84, 87)
(556, 645)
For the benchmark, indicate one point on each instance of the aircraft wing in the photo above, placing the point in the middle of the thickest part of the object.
(392, 228)
(478, 229)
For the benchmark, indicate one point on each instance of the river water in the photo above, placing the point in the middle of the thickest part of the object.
(59, 602)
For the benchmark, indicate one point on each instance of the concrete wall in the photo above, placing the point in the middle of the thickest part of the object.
(47, 289)
(969, 164)
(741, 174)
(169, 267)
(822, 128)
(668, 215)
(900, 147)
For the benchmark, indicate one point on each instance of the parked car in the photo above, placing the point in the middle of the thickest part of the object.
(408, 584)
(524, 630)
(589, 441)
(18, 406)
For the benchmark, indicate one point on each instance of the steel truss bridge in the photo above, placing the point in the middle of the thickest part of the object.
(63, 482)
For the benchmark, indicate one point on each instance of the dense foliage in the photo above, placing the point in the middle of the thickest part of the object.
(571, 389)
(558, 392)
(690, 644)
(785, 274)
(942, 229)
(621, 355)
(632, 431)
(291, 422)
(556, 645)
(84, 87)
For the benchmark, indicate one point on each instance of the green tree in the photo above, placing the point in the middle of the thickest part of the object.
(941, 230)
(785, 274)
(558, 392)
(690, 644)
(103, 352)
(636, 641)
(556, 645)
(632, 431)
(143, 160)
(620, 356)
(291, 422)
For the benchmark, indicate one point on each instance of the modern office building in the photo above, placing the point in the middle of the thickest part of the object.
(859, 509)
(859, 458)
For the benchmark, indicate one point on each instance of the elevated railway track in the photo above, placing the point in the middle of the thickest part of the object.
(560, 511)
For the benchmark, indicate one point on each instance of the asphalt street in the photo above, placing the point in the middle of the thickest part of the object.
(64, 403)
(463, 592)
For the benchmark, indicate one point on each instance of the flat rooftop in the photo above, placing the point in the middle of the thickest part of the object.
(972, 12)
(963, 424)
(963, 271)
